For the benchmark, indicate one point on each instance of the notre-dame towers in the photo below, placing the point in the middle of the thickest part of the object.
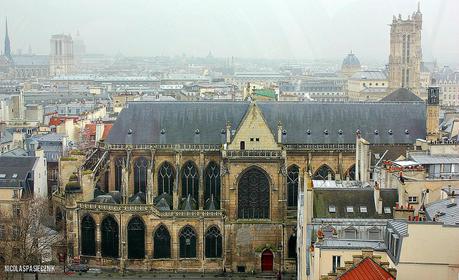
(405, 53)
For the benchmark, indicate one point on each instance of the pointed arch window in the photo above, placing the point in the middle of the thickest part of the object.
(140, 175)
(213, 243)
(351, 173)
(190, 181)
(187, 243)
(119, 163)
(292, 246)
(292, 186)
(166, 175)
(109, 236)
(212, 191)
(162, 243)
(88, 236)
(253, 195)
(136, 238)
(324, 173)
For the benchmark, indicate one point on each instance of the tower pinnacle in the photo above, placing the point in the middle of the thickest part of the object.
(7, 51)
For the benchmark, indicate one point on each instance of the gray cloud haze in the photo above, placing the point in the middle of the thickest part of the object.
(322, 29)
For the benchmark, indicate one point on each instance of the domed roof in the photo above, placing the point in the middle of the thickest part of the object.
(351, 60)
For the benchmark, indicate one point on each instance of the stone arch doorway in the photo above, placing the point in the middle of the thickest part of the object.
(267, 260)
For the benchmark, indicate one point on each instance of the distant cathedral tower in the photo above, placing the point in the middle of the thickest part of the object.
(7, 51)
(405, 53)
(61, 60)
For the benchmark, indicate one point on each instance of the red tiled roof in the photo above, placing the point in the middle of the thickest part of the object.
(58, 120)
(90, 129)
(107, 128)
(367, 270)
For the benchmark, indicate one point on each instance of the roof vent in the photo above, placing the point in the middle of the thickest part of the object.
(308, 132)
(376, 132)
(326, 132)
(163, 131)
(130, 131)
(390, 132)
(340, 132)
(284, 132)
(197, 131)
(407, 132)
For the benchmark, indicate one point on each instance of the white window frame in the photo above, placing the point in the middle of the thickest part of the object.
(350, 209)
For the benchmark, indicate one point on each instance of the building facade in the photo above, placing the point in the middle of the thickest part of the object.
(405, 53)
(61, 60)
(214, 186)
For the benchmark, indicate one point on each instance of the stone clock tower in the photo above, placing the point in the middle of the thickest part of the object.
(433, 113)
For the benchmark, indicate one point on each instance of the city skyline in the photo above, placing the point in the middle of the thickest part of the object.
(278, 30)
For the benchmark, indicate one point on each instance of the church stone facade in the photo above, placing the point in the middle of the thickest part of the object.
(406, 53)
(212, 186)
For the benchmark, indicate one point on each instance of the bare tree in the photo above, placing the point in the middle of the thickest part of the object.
(27, 237)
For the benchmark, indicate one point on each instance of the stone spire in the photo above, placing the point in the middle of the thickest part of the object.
(7, 51)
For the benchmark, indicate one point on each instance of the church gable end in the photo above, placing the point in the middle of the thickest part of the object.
(253, 133)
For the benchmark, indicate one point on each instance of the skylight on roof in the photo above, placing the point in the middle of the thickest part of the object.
(332, 209)
(350, 209)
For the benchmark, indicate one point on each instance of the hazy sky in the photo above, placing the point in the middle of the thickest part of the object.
(242, 28)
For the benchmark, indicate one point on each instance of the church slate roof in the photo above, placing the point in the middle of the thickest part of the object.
(304, 122)
(346, 118)
(401, 95)
(178, 120)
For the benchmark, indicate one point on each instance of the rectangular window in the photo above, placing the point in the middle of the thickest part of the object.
(16, 210)
(350, 209)
(2, 232)
(363, 209)
(336, 262)
(412, 199)
(387, 210)
(447, 168)
(257, 139)
(251, 139)
(332, 209)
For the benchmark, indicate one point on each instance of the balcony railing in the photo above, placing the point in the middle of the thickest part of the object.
(246, 154)
(136, 208)
(184, 147)
(320, 147)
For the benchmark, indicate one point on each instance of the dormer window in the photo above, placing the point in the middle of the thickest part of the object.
(197, 131)
(331, 209)
(363, 209)
(163, 131)
(387, 210)
(376, 132)
(284, 132)
(326, 132)
(340, 132)
(407, 132)
(390, 132)
(350, 209)
(308, 132)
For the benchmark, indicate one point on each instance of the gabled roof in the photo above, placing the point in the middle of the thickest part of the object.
(401, 95)
(15, 169)
(367, 269)
(205, 122)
